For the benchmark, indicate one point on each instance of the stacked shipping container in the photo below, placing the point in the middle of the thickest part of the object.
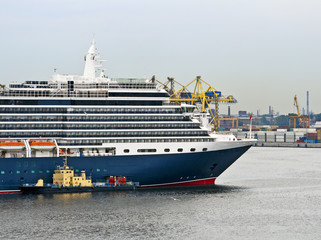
(296, 136)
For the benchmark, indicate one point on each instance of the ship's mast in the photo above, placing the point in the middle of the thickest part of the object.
(65, 162)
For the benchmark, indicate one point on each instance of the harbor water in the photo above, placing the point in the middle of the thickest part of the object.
(269, 193)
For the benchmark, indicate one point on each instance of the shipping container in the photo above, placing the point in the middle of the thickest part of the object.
(305, 130)
(311, 141)
(298, 135)
(289, 137)
(279, 140)
(280, 134)
(312, 134)
(312, 138)
(270, 138)
(281, 130)
(289, 140)
(235, 130)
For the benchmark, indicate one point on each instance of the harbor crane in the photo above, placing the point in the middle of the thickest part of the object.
(304, 120)
(203, 94)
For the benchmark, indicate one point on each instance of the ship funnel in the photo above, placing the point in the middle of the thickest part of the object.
(204, 120)
(90, 59)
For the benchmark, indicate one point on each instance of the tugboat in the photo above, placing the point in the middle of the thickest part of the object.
(65, 181)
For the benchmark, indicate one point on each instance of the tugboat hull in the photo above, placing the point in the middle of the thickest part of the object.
(52, 190)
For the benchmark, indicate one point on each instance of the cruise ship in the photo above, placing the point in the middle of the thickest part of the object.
(108, 127)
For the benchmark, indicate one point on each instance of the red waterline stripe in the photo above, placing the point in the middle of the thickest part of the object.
(9, 191)
(208, 181)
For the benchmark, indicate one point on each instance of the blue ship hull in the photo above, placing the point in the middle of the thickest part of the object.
(148, 170)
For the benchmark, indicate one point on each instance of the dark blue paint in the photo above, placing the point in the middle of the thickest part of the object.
(146, 169)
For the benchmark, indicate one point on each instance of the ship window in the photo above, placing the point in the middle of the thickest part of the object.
(192, 149)
(98, 170)
(105, 170)
(204, 149)
(166, 150)
(146, 150)
(180, 150)
(18, 172)
(126, 150)
(77, 170)
(47, 171)
(2, 172)
(26, 171)
(32, 171)
(40, 171)
(10, 172)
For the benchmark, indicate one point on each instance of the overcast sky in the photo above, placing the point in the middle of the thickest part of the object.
(261, 52)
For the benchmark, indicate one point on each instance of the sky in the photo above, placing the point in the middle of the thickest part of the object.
(261, 52)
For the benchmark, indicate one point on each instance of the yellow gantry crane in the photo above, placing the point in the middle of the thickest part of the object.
(304, 120)
(203, 93)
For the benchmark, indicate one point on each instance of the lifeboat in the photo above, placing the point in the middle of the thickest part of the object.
(42, 145)
(11, 145)
(62, 152)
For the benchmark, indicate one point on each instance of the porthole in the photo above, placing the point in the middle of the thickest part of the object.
(192, 149)
(126, 150)
(180, 150)
(204, 149)
(166, 150)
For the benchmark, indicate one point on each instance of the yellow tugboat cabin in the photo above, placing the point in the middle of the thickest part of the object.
(65, 177)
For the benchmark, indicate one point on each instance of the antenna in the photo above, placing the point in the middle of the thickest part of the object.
(308, 111)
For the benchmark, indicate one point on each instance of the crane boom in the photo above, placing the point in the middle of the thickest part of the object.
(297, 105)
